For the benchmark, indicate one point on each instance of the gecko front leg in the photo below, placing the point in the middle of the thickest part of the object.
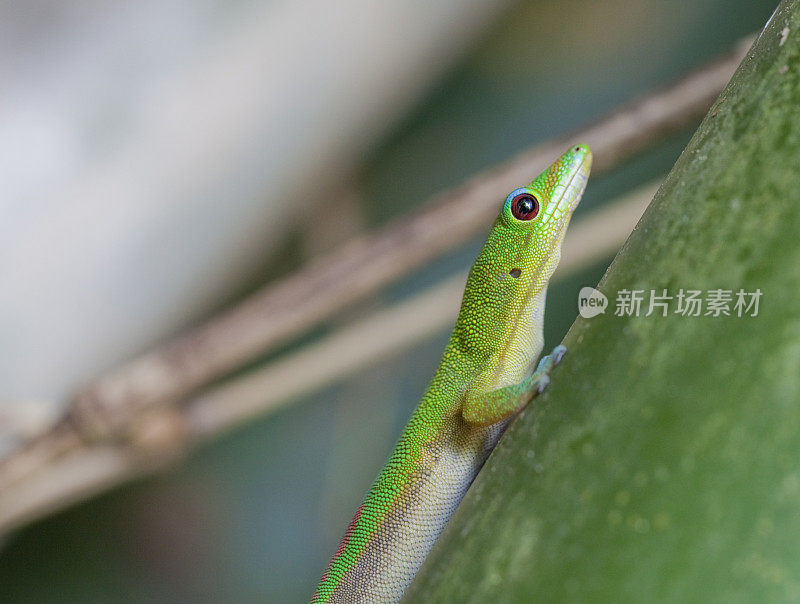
(497, 405)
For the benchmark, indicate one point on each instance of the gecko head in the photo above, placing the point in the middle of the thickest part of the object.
(534, 219)
(504, 302)
(541, 211)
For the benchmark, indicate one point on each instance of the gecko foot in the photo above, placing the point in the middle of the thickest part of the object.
(558, 354)
(547, 362)
(541, 377)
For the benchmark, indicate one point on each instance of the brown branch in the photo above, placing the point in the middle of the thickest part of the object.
(160, 435)
(127, 411)
(293, 306)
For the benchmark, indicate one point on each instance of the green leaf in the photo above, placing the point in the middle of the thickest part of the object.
(663, 462)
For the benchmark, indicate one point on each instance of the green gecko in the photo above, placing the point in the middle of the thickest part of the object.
(484, 379)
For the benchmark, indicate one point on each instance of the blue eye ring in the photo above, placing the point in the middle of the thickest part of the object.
(523, 205)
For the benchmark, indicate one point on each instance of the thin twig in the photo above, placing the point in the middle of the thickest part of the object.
(162, 434)
(291, 307)
(134, 409)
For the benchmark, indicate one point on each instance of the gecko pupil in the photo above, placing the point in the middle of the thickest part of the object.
(525, 207)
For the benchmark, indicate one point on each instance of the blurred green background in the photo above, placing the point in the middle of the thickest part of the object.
(256, 515)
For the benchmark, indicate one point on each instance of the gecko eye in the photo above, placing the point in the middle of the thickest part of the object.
(524, 206)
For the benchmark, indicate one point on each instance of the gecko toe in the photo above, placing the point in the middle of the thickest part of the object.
(542, 383)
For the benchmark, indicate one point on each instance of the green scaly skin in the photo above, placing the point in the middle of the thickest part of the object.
(484, 379)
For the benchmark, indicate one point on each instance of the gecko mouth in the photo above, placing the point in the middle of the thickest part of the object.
(567, 196)
(570, 196)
